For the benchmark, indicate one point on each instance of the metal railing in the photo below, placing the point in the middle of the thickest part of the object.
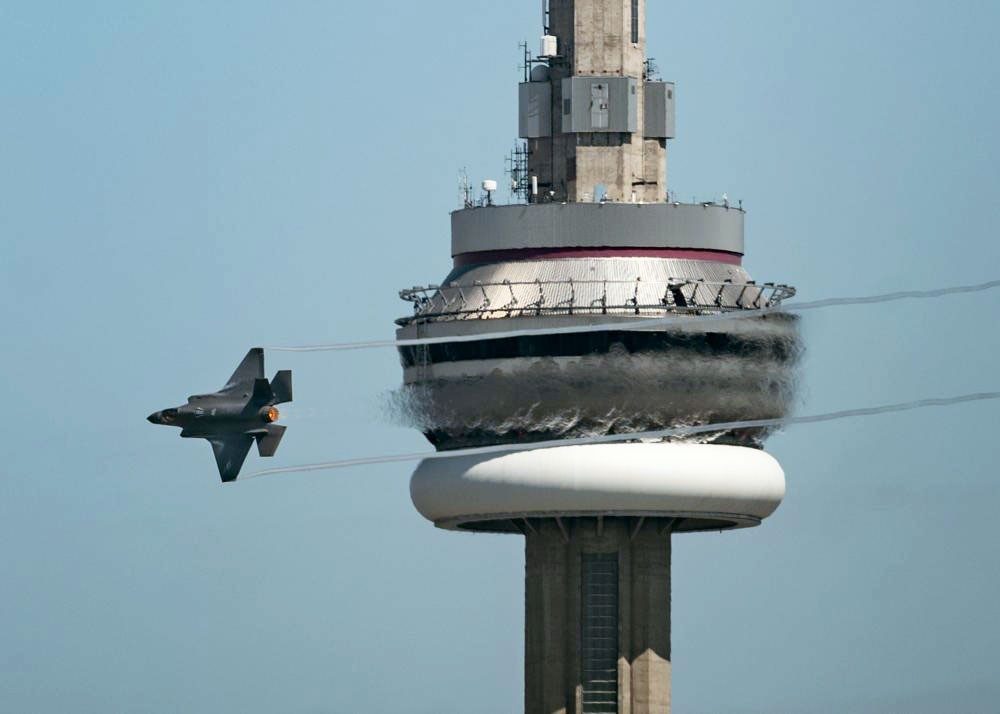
(506, 299)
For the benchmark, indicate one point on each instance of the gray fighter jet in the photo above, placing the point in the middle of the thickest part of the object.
(239, 413)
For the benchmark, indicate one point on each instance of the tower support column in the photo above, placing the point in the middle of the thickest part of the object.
(597, 616)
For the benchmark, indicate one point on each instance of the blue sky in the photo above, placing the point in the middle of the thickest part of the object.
(183, 180)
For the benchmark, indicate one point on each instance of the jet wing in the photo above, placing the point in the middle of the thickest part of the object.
(251, 368)
(230, 453)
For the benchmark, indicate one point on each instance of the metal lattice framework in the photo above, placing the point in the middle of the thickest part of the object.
(509, 299)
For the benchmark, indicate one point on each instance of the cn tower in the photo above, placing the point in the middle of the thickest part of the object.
(594, 236)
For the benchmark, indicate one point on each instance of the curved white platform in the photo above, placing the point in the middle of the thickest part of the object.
(708, 487)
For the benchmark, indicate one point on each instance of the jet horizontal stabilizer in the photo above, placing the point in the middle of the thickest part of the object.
(267, 444)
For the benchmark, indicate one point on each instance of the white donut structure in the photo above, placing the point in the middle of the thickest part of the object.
(705, 487)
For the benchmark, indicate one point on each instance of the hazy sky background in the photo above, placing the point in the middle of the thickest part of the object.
(182, 180)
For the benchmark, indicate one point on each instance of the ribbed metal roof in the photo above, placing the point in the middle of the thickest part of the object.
(612, 269)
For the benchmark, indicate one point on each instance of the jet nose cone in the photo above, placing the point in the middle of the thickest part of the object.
(155, 418)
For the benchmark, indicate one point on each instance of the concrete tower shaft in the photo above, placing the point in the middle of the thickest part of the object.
(597, 616)
(596, 127)
(600, 37)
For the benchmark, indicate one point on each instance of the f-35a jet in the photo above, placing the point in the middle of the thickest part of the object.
(231, 419)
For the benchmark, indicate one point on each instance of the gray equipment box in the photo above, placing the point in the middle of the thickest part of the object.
(599, 104)
(534, 110)
(659, 110)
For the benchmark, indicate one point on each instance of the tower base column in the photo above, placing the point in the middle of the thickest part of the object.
(597, 616)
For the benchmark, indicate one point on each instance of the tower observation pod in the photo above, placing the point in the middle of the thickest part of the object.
(595, 239)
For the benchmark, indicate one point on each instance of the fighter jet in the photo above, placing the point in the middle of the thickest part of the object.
(231, 419)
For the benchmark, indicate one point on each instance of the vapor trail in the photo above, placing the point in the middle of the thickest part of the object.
(648, 322)
(658, 434)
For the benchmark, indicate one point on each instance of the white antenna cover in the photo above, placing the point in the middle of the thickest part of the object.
(549, 46)
(489, 185)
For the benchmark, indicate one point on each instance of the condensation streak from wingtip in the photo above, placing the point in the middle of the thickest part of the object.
(649, 322)
(617, 438)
